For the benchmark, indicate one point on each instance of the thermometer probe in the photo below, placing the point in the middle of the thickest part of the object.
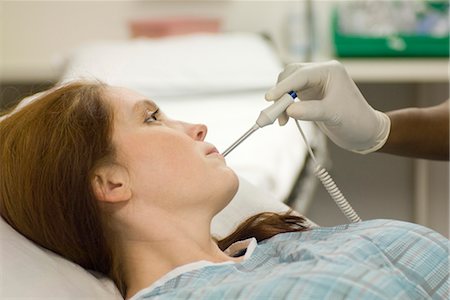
(266, 117)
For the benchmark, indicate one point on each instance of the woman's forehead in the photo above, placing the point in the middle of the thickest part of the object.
(125, 98)
(124, 95)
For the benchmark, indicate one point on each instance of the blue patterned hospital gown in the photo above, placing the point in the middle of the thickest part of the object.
(377, 259)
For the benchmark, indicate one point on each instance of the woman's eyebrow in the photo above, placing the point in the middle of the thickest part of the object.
(143, 104)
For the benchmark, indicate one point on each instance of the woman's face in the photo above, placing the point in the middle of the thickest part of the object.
(168, 162)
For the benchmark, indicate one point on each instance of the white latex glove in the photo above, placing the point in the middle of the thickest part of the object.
(331, 99)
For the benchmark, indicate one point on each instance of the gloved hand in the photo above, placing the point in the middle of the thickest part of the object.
(331, 99)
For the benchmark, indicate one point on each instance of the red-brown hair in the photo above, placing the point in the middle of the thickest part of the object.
(48, 152)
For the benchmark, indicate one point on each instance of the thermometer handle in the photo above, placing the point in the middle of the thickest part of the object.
(271, 113)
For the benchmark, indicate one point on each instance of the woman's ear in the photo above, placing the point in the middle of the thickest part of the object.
(111, 183)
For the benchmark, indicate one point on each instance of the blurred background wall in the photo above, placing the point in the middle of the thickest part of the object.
(37, 38)
(41, 34)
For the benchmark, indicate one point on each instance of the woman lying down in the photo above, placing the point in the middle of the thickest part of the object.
(101, 176)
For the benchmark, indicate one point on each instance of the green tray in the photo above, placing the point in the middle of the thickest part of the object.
(389, 46)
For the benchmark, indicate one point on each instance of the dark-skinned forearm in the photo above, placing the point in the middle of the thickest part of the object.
(419, 132)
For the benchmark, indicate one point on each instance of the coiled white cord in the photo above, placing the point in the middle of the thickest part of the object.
(330, 185)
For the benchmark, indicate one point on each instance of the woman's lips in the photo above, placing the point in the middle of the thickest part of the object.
(213, 151)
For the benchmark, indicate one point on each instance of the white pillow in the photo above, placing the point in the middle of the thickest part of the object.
(181, 65)
(28, 270)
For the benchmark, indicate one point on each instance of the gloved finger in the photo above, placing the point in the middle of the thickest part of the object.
(300, 79)
(291, 68)
(312, 110)
(283, 119)
(288, 70)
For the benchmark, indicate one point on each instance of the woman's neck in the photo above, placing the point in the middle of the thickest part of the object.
(147, 260)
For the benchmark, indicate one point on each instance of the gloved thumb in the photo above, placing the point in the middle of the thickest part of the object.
(283, 119)
(311, 110)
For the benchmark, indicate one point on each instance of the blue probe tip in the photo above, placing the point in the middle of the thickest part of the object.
(293, 94)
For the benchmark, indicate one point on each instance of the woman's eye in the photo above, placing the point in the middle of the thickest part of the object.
(152, 116)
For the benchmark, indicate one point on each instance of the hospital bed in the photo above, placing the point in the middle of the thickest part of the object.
(218, 80)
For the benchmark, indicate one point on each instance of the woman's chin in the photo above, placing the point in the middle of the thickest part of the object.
(229, 183)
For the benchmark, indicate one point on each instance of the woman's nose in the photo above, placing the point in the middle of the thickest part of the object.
(196, 131)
